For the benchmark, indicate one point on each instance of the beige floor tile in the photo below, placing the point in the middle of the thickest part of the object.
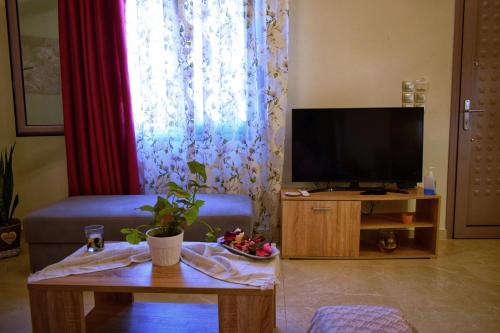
(298, 318)
(281, 319)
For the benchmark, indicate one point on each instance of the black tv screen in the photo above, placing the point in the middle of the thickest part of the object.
(359, 144)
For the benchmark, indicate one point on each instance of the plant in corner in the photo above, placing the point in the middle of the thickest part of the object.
(10, 228)
(178, 209)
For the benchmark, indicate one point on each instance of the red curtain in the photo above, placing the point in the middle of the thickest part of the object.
(98, 123)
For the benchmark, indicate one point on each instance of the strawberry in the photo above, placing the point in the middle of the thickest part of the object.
(261, 253)
(251, 247)
(229, 236)
(267, 248)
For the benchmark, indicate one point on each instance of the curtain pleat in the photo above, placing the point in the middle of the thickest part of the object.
(98, 120)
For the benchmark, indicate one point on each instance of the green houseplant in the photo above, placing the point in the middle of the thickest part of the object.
(10, 228)
(179, 208)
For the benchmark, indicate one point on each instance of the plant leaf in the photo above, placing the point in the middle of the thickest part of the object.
(165, 211)
(211, 235)
(160, 204)
(6, 185)
(125, 231)
(147, 208)
(198, 169)
(14, 206)
(133, 238)
(199, 203)
(191, 215)
(174, 186)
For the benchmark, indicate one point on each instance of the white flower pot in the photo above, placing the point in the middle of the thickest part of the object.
(165, 251)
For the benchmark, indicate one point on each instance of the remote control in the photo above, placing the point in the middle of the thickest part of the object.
(304, 193)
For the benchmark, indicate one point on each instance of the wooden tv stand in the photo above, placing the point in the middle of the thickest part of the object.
(331, 225)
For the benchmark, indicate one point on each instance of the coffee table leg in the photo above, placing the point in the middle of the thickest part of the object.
(238, 313)
(57, 311)
(101, 298)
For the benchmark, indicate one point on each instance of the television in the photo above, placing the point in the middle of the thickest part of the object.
(383, 145)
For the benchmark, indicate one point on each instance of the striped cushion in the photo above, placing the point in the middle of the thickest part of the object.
(359, 319)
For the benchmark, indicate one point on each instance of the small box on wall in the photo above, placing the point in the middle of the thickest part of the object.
(414, 93)
(408, 98)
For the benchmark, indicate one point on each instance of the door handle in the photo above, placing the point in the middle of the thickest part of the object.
(467, 112)
(320, 209)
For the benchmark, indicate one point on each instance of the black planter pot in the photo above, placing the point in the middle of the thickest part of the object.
(10, 239)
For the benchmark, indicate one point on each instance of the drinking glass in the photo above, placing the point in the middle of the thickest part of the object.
(95, 238)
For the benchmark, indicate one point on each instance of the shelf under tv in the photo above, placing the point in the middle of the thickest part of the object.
(391, 221)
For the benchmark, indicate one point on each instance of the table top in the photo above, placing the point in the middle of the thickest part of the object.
(147, 278)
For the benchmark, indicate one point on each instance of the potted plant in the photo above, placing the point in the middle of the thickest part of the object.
(10, 228)
(177, 210)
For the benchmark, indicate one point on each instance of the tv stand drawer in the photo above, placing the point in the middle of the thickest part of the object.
(320, 228)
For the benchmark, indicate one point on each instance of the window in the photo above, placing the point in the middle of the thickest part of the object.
(188, 65)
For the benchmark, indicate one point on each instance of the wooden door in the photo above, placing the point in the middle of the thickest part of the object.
(477, 188)
(320, 228)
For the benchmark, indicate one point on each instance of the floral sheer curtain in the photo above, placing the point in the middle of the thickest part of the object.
(209, 82)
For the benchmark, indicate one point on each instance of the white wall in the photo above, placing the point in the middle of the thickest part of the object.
(355, 53)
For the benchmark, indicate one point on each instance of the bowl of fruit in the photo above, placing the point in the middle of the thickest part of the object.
(254, 247)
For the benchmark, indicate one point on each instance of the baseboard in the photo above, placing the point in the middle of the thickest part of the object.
(442, 234)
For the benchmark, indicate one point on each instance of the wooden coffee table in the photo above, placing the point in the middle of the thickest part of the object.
(57, 304)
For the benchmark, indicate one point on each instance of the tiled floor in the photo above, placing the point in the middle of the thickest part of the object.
(457, 292)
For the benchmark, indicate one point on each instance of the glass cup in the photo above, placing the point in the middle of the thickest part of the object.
(95, 238)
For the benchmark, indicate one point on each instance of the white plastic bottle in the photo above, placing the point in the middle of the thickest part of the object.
(430, 182)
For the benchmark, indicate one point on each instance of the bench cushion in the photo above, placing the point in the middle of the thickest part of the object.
(63, 222)
(359, 318)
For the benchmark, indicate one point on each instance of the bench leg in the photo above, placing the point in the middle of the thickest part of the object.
(241, 313)
(57, 311)
(101, 298)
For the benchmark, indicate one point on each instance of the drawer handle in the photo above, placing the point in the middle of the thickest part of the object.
(320, 209)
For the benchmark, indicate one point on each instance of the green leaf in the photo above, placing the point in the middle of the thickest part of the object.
(198, 169)
(166, 211)
(160, 203)
(6, 186)
(199, 203)
(133, 238)
(177, 190)
(191, 215)
(125, 231)
(211, 235)
(184, 201)
(14, 206)
(147, 208)
(174, 187)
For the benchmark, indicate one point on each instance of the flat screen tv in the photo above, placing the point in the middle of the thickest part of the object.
(357, 145)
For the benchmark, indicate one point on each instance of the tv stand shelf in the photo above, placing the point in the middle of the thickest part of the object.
(390, 221)
(331, 225)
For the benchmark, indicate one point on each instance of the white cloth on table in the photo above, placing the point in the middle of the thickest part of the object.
(219, 263)
(114, 255)
(209, 258)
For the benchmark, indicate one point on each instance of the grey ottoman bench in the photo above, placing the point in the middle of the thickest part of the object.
(54, 232)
